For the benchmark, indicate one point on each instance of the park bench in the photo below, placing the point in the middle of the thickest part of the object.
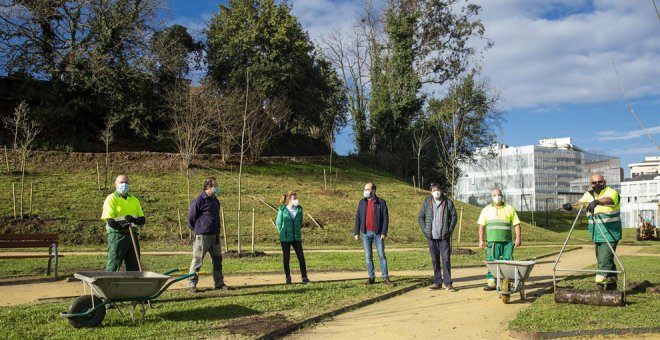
(13, 241)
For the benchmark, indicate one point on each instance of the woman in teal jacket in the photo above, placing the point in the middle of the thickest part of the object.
(289, 224)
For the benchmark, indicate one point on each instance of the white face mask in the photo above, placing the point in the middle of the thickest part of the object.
(436, 194)
(497, 199)
(366, 193)
(294, 202)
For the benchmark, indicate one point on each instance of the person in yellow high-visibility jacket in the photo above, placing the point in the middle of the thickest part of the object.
(120, 212)
(604, 227)
(499, 220)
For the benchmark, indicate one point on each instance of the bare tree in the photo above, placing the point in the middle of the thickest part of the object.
(107, 136)
(191, 122)
(421, 138)
(25, 131)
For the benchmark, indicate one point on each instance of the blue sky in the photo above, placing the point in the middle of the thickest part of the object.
(551, 63)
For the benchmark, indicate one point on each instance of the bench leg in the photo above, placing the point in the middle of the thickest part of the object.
(50, 257)
(56, 261)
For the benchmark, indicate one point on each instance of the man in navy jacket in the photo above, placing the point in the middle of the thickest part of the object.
(204, 220)
(371, 220)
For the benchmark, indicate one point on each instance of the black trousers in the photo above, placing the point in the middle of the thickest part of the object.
(440, 256)
(286, 252)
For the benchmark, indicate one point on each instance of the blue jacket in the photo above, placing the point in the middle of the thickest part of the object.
(204, 215)
(381, 217)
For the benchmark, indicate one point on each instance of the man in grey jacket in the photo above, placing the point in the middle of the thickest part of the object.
(437, 219)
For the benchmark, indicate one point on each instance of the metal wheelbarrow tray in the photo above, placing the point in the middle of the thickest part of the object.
(511, 276)
(115, 288)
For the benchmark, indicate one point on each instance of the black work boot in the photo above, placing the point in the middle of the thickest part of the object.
(600, 286)
(611, 286)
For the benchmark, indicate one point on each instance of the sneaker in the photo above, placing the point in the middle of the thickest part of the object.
(370, 281)
(192, 289)
(288, 280)
(489, 287)
(435, 286)
(222, 287)
(305, 280)
(451, 288)
(387, 282)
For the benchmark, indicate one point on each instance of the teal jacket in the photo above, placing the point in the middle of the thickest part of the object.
(289, 229)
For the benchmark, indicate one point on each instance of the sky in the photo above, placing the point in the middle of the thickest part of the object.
(553, 63)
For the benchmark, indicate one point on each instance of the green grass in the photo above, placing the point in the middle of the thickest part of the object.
(544, 315)
(651, 249)
(408, 260)
(67, 202)
(177, 314)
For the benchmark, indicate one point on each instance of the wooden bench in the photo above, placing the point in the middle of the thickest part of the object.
(8, 241)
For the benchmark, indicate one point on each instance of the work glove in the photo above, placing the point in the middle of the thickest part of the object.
(567, 206)
(129, 219)
(592, 206)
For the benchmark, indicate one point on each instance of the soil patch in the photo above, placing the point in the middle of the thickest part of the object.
(462, 251)
(333, 193)
(27, 225)
(258, 324)
(639, 287)
(233, 254)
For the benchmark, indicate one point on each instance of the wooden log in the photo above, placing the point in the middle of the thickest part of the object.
(611, 298)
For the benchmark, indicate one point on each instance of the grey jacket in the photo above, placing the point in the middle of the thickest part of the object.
(425, 218)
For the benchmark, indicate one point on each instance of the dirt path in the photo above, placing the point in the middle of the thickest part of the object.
(470, 313)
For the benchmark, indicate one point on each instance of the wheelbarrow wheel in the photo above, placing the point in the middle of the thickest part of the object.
(83, 304)
(506, 287)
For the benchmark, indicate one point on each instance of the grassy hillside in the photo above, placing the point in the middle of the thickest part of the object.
(66, 199)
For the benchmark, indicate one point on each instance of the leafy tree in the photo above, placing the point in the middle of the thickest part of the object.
(266, 38)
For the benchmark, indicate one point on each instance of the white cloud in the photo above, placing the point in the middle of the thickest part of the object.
(557, 52)
(635, 150)
(610, 135)
(321, 17)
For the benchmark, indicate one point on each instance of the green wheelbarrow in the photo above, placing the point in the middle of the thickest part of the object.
(116, 288)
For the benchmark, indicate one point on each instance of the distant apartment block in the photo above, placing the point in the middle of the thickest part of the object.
(640, 193)
(650, 166)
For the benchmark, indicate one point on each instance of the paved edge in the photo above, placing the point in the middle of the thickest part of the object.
(591, 332)
(316, 319)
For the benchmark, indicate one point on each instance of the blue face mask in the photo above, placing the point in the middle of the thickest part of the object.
(216, 190)
(122, 188)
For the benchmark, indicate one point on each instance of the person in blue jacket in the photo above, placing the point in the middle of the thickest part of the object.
(289, 225)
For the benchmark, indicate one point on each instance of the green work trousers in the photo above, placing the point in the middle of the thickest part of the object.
(120, 250)
(498, 251)
(605, 259)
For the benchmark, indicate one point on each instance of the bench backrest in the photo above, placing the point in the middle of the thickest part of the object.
(27, 240)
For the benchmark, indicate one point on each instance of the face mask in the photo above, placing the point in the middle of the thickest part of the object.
(216, 190)
(436, 194)
(598, 188)
(497, 199)
(294, 202)
(366, 193)
(122, 188)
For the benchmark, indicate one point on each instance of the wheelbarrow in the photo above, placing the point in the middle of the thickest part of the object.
(136, 288)
(511, 276)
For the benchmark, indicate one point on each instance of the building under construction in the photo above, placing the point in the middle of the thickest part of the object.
(535, 177)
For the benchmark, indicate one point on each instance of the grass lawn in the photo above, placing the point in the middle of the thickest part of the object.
(408, 260)
(544, 315)
(651, 249)
(66, 201)
(237, 313)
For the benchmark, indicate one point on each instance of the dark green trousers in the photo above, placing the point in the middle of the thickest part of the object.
(120, 250)
(499, 251)
(605, 259)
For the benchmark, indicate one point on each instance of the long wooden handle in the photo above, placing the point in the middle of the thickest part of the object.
(137, 255)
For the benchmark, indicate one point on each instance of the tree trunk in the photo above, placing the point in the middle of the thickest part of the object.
(22, 180)
(107, 165)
